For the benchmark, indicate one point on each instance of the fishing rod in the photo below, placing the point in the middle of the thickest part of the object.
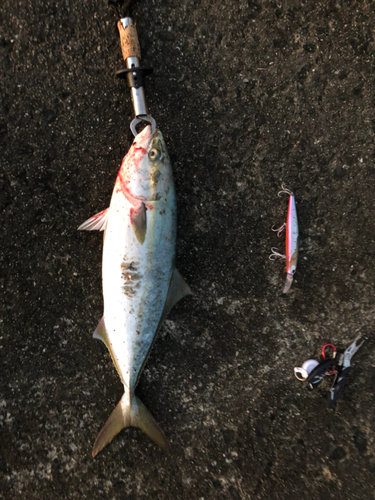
(134, 73)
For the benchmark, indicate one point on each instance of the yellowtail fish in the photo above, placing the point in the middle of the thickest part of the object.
(140, 281)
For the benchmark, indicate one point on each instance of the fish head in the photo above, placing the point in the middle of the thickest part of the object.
(146, 173)
(158, 170)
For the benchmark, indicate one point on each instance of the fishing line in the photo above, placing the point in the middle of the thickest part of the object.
(124, 4)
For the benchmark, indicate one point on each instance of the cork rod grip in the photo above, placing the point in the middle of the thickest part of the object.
(129, 41)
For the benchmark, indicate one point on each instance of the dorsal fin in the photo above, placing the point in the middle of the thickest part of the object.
(178, 288)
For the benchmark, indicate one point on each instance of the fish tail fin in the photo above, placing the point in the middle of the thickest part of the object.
(146, 422)
(126, 414)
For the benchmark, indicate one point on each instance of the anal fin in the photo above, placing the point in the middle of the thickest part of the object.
(101, 333)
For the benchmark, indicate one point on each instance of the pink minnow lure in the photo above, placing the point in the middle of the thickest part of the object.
(291, 240)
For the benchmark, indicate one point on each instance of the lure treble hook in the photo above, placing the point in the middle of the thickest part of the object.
(279, 230)
(285, 190)
(275, 254)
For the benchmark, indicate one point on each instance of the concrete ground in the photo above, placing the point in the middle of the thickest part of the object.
(250, 95)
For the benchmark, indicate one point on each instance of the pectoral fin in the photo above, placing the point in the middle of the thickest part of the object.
(138, 220)
(96, 222)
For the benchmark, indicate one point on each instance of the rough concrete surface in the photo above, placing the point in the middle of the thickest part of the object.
(249, 95)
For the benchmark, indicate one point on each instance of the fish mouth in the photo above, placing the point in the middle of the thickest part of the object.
(145, 134)
(143, 138)
(146, 139)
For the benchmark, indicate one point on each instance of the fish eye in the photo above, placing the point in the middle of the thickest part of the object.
(154, 154)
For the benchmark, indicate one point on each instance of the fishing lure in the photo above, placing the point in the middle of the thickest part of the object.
(291, 240)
